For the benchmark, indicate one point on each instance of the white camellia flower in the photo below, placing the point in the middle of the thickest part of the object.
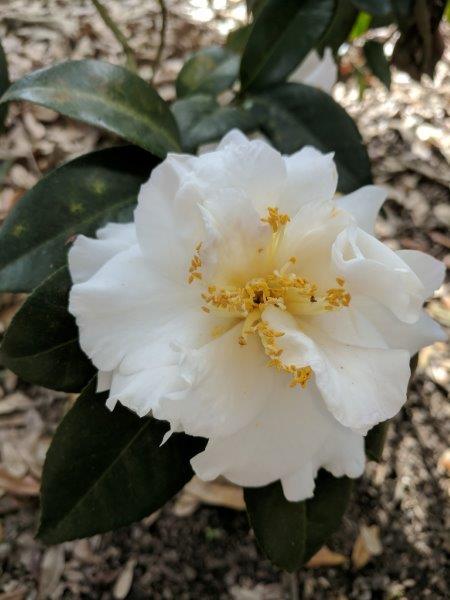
(317, 72)
(249, 305)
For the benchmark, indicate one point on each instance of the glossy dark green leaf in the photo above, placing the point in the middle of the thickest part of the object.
(279, 525)
(201, 120)
(295, 115)
(375, 441)
(237, 39)
(374, 7)
(282, 35)
(41, 344)
(209, 71)
(338, 31)
(106, 96)
(254, 6)
(78, 197)
(4, 84)
(290, 533)
(107, 469)
(325, 510)
(377, 61)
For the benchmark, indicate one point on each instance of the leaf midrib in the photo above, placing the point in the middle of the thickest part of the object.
(126, 109)
(59, 523)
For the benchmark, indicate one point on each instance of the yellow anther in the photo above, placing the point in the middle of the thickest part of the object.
(340, 281)
(275, 219)
(196, 263)
(206, 309)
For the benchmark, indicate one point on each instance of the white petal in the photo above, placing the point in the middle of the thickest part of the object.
(235, 236)
(311, 178)
(360, 386)
(284, 442)
(371, 268)
(104, 379)
(320, 73)
(141, 391)
(429, 270)
(168, 222)
(87, 255)
(251, 166)
(227, 385)
(126, 307)
(300, 485)
(364, 205)
(396, 333)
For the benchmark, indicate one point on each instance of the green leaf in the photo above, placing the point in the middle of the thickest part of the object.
(279, 525)
(361, 25)
(290, 533)
(282, 35)
(237, 39)
(78, 197)
(209, 71)
(325, 510)
(201, 120)
(374, 7)
(295, 115)
(4, 84)
(41, 344)
(106, 96)
(375, 440)
(341, 25)
(377, 61)
(107, 469)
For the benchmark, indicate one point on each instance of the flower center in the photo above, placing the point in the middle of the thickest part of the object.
(281, 288)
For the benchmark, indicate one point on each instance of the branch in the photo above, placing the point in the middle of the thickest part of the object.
(162, 39)
(130, 60)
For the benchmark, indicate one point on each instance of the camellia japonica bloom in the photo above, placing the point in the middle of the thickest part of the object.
(318, 72)
(249, 305)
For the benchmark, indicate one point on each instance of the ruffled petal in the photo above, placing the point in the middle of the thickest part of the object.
(360, 386)
(226, 386)
(126, 307)
(428, 269)
(168, 221)
(311, 179)
(251, 166)
(372, 269)
(283, 442)
(364, 205)
(88, 255)
(396, 333)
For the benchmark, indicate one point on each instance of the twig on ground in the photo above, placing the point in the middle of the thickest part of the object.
(162, 40)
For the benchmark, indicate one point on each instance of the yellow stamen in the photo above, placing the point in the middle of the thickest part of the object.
(275, 219)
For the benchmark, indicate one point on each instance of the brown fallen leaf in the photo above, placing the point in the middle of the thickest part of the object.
(52, 567)
(123, 582)
(25, 486)
(326, 558)
(366, 546)
(14, 403)
(18, 594)
(216, 493)
(444, 462)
